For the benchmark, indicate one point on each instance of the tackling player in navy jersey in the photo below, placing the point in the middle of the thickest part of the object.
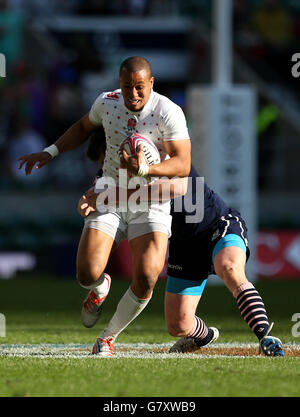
(215, 244)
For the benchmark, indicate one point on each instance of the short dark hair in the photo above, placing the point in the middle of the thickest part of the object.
(96, 144)
(135, 64)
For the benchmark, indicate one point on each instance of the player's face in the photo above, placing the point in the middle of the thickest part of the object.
(136, 88)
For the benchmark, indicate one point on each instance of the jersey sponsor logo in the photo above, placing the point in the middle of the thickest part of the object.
(175, 267)
(112, 96)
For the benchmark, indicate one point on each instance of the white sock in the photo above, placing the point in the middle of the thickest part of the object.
(99, 287)
(129, 307)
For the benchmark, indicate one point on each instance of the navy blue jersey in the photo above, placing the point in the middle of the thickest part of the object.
(191, 249)
(214, 208)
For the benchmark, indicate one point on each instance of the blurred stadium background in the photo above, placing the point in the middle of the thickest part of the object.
(61, 54)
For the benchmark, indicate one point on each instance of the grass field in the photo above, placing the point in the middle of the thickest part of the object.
(46, 350)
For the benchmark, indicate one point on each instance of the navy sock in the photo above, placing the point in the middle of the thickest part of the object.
(206, 340)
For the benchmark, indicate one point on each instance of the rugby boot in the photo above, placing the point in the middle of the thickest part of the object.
(188, 344)
(104, 347)
(270, 345)
(92, 305)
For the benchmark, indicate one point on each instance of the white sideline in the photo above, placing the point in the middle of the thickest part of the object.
(130, 350)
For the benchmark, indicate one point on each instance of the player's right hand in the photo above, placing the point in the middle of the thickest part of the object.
(38, 160)
(129, 162)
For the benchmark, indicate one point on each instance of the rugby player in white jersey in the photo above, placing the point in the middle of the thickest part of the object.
(135, 107)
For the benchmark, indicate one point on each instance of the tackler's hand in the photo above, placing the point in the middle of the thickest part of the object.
(84, 207)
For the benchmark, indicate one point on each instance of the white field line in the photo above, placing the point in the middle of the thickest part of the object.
(122, 350)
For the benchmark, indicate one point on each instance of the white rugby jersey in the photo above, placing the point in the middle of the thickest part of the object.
(160, 120)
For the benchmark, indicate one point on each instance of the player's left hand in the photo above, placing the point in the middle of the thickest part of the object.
(131, 162)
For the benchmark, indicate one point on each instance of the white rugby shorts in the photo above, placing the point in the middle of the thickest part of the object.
(129, 225)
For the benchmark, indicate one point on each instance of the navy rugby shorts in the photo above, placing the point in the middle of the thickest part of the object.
(191, 258)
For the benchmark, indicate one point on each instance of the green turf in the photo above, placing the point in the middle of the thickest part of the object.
(46, 310)
(152, 377)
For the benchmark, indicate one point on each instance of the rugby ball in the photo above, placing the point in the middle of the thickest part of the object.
(150, 152)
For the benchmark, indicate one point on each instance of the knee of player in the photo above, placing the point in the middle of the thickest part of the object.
(229, 270)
